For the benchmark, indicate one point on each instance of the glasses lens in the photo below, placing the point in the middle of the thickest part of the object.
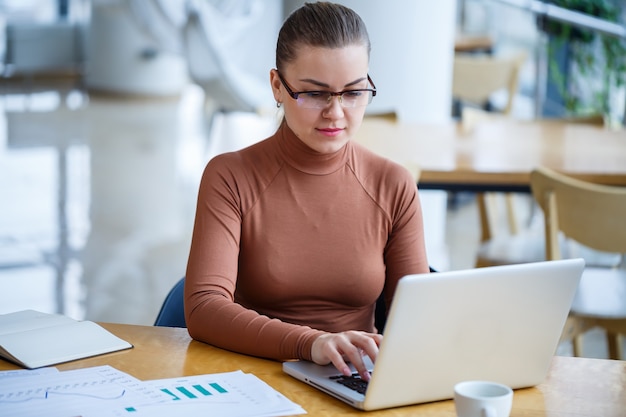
(356, 98)
(321, 99)
(313, 99)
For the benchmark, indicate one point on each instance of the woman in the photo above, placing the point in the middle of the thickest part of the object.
(296, 236)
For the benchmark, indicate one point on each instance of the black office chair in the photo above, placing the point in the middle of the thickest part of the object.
(380, 313)
(172, 313)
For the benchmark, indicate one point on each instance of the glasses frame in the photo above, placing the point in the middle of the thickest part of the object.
(294, 94)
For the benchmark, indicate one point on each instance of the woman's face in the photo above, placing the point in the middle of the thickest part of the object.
(323, 69)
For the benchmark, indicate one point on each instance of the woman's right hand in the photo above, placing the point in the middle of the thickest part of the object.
(344, 347)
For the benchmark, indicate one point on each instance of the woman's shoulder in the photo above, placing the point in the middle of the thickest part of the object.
(263, 151)
(257, 163)
(370, 165)
(392, 185)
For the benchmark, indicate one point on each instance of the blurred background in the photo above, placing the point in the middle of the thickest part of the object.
(110, 109)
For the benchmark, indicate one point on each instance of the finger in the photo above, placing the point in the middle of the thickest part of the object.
(356, 359)
(355, 348)
(325, 351)
(370, 345)
(341, 351)
(362, 369)
(336, 358)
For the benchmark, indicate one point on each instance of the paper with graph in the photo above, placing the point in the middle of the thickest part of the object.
(107, 392)
(101, 390)
(232, 394)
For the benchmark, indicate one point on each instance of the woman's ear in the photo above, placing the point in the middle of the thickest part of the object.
(276, 86)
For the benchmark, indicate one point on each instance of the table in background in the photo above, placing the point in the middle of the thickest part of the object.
(575, 387)
(499, 154)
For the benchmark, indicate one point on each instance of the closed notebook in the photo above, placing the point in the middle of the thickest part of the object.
(33, 339)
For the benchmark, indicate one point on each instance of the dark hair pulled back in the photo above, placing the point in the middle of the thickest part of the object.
(320, 24)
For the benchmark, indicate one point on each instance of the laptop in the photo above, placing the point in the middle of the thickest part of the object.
(500, 323)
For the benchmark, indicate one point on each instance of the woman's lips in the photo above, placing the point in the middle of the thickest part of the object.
(330, 131)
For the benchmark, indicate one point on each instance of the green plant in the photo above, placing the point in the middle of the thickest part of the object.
(599, 60)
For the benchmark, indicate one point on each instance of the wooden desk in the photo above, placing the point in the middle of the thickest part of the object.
(499, 154)
(575, 387)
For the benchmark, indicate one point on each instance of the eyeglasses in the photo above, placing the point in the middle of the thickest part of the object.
(321, 99)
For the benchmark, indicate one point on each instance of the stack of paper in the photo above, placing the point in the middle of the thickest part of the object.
(106, 392)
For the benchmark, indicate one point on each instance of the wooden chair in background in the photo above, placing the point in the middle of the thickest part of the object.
(476, 78)
(593, 215)
(526, 244)
(502, 247)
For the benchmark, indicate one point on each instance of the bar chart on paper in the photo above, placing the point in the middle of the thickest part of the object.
(235, 389)
(230, 393)
(194, 391)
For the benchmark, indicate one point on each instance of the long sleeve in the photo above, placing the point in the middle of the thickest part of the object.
(211, 313)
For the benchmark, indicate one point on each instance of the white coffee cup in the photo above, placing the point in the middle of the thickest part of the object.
(482, 399)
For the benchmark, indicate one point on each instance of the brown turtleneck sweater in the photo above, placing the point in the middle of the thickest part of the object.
(288, 242)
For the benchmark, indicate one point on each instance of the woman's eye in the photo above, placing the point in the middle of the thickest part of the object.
(353, 93)
(315, 94)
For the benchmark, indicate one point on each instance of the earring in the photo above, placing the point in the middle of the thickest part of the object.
(278, 104)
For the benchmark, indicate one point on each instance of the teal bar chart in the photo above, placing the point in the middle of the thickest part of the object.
(194, 391)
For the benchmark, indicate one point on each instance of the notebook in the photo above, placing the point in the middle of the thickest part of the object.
(34, 339)
(500, 323)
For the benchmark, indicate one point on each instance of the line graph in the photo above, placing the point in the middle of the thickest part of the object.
(40, 394)
(72, 392)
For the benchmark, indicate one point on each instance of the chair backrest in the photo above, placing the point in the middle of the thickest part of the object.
(172, 313)
(476, 77)
(591, 214)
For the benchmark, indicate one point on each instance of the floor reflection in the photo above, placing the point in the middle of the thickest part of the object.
(98, 201)
(140, 209)
(98, 197)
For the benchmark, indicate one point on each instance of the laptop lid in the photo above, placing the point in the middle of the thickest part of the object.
(499, 323)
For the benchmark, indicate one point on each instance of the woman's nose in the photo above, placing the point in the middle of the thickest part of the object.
(334, 109)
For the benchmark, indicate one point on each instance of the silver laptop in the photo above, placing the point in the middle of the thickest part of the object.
(499, 323)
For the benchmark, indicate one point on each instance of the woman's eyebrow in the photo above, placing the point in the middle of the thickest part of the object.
(321, 84)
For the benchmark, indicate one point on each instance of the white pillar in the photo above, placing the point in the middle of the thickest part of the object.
(121, 58)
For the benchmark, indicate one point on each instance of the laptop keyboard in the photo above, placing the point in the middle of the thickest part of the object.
(353, 382)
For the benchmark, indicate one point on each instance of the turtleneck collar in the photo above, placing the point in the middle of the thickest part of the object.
(301, 157)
